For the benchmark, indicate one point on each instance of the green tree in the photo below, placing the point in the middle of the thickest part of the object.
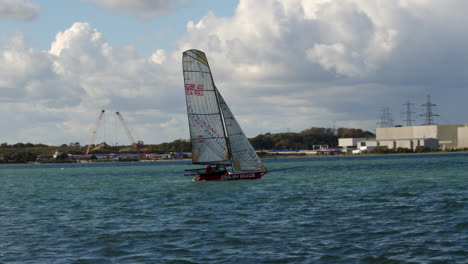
(18, 145)
(62, 156)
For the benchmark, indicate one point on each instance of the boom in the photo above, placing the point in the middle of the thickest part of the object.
(94, 132)
(127, 131)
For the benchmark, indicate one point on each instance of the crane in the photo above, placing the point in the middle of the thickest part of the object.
(94, 132)
(129, 135)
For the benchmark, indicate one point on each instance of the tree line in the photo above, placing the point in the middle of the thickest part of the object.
(26, 152)
(306, 139)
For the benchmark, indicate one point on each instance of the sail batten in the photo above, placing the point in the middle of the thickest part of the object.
(198, 71)
(206, 114)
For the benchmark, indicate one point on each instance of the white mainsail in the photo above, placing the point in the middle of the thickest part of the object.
(243, 155)
(207, 134)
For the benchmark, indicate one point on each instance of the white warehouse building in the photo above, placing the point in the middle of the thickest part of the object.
(365, 146)
(433, 137)
(449, 136)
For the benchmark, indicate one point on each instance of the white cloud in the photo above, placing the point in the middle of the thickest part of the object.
(296, 65)
(335, 57)
(145, 9)
(18, 10)
(20, 65)
(371, 50)
(78, 76)
(158, 57)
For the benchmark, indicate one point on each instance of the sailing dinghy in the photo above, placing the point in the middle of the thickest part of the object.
(217, 139)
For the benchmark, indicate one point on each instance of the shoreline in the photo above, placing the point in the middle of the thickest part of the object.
(262, 157)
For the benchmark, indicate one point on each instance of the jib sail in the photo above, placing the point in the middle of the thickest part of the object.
(243, 155)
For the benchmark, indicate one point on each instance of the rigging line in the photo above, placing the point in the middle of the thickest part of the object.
(290, 168)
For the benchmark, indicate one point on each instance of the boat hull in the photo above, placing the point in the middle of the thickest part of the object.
(232, 176)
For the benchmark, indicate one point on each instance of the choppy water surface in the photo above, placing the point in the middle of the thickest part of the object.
(372, 209)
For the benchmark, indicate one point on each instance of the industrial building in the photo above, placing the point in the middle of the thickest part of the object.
(411, 137)
(366, 145)
(449, 136)
(349, 144)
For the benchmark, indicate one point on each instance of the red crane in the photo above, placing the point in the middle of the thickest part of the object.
(127, 131)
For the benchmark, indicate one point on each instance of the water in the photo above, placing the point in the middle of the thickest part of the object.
(369, 209)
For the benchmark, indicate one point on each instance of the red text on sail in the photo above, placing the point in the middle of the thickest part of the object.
(192, 89)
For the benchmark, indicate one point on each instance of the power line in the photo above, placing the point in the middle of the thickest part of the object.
(386, 119)
(429, 114)
(408, 112)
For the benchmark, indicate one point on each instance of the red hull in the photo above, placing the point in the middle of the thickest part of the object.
(232, 176)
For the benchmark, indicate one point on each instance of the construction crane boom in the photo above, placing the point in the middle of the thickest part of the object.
(94, 132)
(127, 131)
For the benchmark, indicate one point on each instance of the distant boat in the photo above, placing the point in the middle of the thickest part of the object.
(217, 139)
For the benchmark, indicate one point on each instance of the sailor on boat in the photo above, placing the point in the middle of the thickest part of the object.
(213, 171)
(209, 169)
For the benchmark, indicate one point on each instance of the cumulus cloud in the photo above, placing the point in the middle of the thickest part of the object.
(20, 65)
(280, 65)
(18, 10)
(351, 38)
(144, 9)
(81, 54)
(365, 49)
(80, 74)
(158, 57)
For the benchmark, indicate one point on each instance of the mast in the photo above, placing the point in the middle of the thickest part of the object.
(226, 138)
(228, 143)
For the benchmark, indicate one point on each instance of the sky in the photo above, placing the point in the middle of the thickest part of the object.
(281, 65)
